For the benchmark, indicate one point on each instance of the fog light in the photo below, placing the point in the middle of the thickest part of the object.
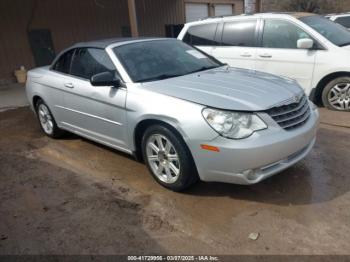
(250, 174)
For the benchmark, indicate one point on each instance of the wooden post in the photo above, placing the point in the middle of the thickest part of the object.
(258, 6)
(133, 18)
(211, 10)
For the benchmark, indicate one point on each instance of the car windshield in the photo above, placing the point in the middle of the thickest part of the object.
(334, 32)
(160, 59)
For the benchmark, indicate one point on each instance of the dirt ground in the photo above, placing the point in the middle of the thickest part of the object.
(72, 196)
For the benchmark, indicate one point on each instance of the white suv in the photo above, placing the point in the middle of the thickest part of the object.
(306, 47)
(342, 19)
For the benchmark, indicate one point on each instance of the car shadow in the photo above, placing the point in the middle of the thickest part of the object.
(71, 136)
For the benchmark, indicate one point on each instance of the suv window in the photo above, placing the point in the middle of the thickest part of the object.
(90, 61)
(239, 33)
(344, 21)
(282, 34)
(201, 35)
(63, 63)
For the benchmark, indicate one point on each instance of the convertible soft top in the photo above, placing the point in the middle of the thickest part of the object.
(103, 43)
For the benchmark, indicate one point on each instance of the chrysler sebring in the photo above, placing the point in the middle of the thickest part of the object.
(182, 112)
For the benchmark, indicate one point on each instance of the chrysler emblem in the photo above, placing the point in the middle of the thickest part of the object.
(296, 99)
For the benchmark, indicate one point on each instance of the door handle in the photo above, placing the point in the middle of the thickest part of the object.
(246, 55)
(69, 85)
(265, 55)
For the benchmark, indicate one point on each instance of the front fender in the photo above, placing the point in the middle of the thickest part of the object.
(186, 117)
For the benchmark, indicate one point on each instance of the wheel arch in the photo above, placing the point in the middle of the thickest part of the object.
(142, 126)
(324, 81)
(35, 100)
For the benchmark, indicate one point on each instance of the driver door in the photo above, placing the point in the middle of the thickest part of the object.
(97, 112)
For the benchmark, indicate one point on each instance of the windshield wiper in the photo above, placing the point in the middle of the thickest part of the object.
(345, 44)
(165, 76)
(203, 68)
(160, 77)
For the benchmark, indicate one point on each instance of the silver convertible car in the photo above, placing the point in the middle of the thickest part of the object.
(185, 114)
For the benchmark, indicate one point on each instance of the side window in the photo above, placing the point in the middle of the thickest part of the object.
(282, 34)
(344, 21)
(201, 35)
(63, 63)
(90, 61)
(239, 33)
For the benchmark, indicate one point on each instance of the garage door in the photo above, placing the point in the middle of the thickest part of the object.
(223, 10)
(195, 12)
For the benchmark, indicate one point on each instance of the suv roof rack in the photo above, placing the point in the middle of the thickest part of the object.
(221, 16)
(249, 14)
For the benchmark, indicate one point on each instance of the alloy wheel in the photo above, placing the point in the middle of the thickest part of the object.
(45, 118)
(163, 158)
(339, 96)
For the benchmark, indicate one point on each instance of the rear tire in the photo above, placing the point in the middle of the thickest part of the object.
(336, 94)
(46, 120)
(168, 158)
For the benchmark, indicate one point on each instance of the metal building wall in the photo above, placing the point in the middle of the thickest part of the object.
(72, 21)
(69, 22)
(153, 15)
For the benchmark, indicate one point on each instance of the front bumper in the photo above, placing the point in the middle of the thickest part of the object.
(265, 153)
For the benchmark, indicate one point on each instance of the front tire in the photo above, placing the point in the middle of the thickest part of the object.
(47, 121)
(168, 158)
(336, 94)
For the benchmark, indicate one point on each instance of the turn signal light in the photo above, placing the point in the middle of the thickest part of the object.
(210, 148)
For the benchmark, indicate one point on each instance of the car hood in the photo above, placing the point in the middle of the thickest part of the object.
(229, 88)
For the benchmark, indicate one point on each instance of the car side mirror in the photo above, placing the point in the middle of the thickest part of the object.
(105, 79)
(305, 43)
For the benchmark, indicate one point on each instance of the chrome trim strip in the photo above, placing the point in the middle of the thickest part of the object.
(69, 91)
(301, 113)
(304, 118)
(93, 116)
(291, 118)
(295, 99)
(300, 105)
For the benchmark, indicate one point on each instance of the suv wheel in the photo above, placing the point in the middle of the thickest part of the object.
(47, 121)
(168, 158)
(336, 94)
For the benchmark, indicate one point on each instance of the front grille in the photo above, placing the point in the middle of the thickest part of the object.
(292, 115)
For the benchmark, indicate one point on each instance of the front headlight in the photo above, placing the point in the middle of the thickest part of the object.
(233, 124)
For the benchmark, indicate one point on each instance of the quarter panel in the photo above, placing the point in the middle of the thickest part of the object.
(48, 85)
